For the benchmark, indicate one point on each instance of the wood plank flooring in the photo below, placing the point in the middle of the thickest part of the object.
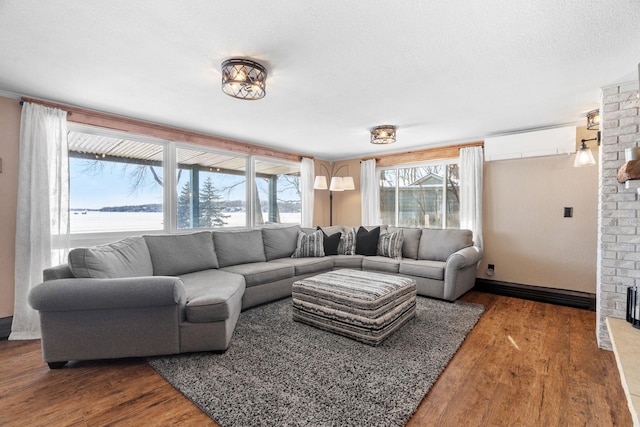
(525, 364)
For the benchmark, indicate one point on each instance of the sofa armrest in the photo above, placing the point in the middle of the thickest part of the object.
(95, 294)
(460, 272)
(464, 257)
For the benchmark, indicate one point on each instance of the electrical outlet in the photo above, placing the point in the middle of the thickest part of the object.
(568, 212)
(491, 269)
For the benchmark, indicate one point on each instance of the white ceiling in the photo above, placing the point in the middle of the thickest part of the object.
(443, 72)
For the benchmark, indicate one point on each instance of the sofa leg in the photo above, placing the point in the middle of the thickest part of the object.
(56, 365)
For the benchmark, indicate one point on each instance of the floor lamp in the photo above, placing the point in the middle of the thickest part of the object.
(338, 183)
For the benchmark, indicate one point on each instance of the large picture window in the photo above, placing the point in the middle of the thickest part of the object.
(277, 192)
(421, 196)
(211, 189)
(116, 184)
(122, 184)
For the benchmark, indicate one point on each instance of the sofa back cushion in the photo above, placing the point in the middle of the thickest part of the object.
(437, 244)
(176, 254)
(125, 258)
(279, 242)
(410, 240)
(235, 247)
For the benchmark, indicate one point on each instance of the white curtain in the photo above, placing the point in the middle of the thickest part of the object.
(42, 224)
(471, 166)
(370, 193)
(307, 177)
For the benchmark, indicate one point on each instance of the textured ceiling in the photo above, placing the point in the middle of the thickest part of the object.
(443, 72)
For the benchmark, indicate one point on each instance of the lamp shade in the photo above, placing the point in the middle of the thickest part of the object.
(336, 184)
(584, 157)
(347, 183)
(320, 183)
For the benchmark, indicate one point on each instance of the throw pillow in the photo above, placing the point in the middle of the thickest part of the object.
(390, 245)
(347, 245)
(330, 242)
(367, 241)
(309, 245)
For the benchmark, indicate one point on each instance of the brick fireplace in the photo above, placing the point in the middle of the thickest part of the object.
(618, 209)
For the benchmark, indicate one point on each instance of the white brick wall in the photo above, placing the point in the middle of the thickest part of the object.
(618, 210)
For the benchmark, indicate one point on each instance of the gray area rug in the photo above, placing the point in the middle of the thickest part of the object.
(278, 372)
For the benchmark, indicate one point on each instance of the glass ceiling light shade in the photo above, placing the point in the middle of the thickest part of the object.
(385, 134)
(243, 79)
(593, 119)
(584, 157)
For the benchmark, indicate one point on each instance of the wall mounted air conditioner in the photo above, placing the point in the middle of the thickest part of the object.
(548, 142)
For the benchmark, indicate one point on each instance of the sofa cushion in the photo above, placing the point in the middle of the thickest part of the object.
(383, 228)
(125, 258)
(347, 261)
(279, 242)
(307, 265)
(176, 254)
(257, 273)
(367, 241)
(410, 241)
(347, 245)
(380, 263)
(390, 245)
(238, 247)
(333, 229)
(210, 295)
(423, 268)
(309, 245)
(437, 244)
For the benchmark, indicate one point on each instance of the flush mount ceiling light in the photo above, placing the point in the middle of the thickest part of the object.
(243, 79)
(593, 119)
(385, 134)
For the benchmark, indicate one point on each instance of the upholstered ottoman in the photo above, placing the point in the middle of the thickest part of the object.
(365, 306)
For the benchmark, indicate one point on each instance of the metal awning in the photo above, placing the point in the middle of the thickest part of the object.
(107, 148)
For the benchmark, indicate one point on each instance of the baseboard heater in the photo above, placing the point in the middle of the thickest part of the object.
(583, 300)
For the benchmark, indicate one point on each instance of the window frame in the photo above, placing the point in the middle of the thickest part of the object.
(441, 162)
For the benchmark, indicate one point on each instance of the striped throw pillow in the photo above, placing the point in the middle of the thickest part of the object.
(309, 245)
(347, 245)
(390, 245)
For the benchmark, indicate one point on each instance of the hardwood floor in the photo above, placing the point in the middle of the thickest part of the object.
(525, 364)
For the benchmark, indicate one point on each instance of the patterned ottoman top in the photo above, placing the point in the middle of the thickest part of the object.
(354, 287)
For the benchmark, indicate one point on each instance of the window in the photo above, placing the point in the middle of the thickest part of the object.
(277, 192)
(122, 184)
(211, 189)
(116, 184)
(421, 196)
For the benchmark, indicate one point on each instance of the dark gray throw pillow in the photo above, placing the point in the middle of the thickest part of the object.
(330, 242)
(367, 241)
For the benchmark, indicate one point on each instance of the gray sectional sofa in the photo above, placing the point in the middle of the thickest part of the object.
(168, 294)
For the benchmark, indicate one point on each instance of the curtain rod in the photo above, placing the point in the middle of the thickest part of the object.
(46, 104)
